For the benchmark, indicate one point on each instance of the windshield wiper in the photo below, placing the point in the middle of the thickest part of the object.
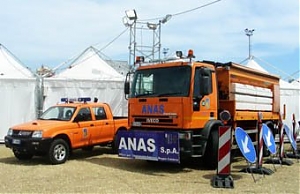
(54, 119)
(145, 94)
(169, 94)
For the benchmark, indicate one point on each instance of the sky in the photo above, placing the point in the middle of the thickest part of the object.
(53, 32)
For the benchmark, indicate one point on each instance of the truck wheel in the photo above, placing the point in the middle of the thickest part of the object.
(211, 151)
(58, 152)
(22, 155)
(114, 145)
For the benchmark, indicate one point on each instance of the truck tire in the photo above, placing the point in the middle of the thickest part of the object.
(114, 145)
(211, 152)
(58, 152)
(22, 155)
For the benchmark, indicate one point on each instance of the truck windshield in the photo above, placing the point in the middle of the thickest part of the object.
(60, 113)
(160, 82)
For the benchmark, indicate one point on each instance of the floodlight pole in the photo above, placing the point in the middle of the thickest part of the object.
(249, 33)
(148, 51)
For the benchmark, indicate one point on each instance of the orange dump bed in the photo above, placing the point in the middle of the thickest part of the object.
(244, 92)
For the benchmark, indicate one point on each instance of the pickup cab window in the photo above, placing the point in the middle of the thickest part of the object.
(84, 114)
(100, 113)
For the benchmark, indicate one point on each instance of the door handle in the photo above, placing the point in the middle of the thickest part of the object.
(92, 125)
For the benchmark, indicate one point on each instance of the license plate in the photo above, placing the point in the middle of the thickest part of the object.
(16, 141)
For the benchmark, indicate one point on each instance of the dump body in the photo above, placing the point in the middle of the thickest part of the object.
(245, 92)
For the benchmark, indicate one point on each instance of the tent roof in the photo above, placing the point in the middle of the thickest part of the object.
(254, 65)
(286, 85)
(90, 65)
(11, 67)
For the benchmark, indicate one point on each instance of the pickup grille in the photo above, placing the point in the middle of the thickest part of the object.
(21, 133)
(155, 120)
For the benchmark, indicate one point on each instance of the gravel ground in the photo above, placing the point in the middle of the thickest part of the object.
(100, 171)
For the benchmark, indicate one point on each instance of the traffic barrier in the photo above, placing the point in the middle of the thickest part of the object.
(251, 157)
(292, 136)
(280, 159)
(223, 178)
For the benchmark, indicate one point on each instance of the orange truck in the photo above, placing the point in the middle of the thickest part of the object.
(72, 124)
(177, 105)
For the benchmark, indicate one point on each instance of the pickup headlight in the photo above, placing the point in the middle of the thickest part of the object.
(9, 132)
(37, 134)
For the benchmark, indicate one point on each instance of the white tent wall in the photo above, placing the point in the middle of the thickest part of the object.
(109, 91)
(18, 102)
(290, 97)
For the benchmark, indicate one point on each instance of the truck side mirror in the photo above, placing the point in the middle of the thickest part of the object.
(126, 87)
(127, 84)
(205, 81)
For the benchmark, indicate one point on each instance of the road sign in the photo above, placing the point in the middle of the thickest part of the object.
(269, 139)
(290, 136)
(245, 144)
(149, 145)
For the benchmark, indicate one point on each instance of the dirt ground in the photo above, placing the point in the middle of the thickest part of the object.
(100, 171)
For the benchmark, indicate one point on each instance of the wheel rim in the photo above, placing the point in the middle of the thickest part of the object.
(59, 152)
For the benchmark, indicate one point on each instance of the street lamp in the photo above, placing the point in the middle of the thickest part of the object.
(130, 17)
(166, 18)
(249, 33)
(131, 14)
(152, 26)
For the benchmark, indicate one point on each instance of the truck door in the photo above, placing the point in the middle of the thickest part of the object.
(104, 126)
(82, 134)
(204, 105)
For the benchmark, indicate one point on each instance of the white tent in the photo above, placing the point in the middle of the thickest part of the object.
(254, 65)
(289, 95)
(87, 76)
(90, 65)
(17, 86)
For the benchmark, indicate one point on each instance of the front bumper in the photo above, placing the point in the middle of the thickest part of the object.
(28, 145)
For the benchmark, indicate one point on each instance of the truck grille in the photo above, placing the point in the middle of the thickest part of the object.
(155, 120)
(21, 133)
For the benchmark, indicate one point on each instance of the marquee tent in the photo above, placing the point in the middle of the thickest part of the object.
(254, 65)
(87, 76)
(17, 86)
(289, 95)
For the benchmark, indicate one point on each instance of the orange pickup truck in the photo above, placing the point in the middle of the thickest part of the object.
(64, 127)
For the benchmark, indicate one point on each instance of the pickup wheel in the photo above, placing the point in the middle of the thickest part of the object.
(115, 144)
(22, 155)
(58, 152)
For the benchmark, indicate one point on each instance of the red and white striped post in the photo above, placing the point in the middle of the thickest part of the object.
(223, 178)
(281, 138)
(294, 127)
(260, 141)
(295, 153)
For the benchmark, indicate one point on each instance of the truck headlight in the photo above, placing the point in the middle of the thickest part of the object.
(37, 134)
(9, 132)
